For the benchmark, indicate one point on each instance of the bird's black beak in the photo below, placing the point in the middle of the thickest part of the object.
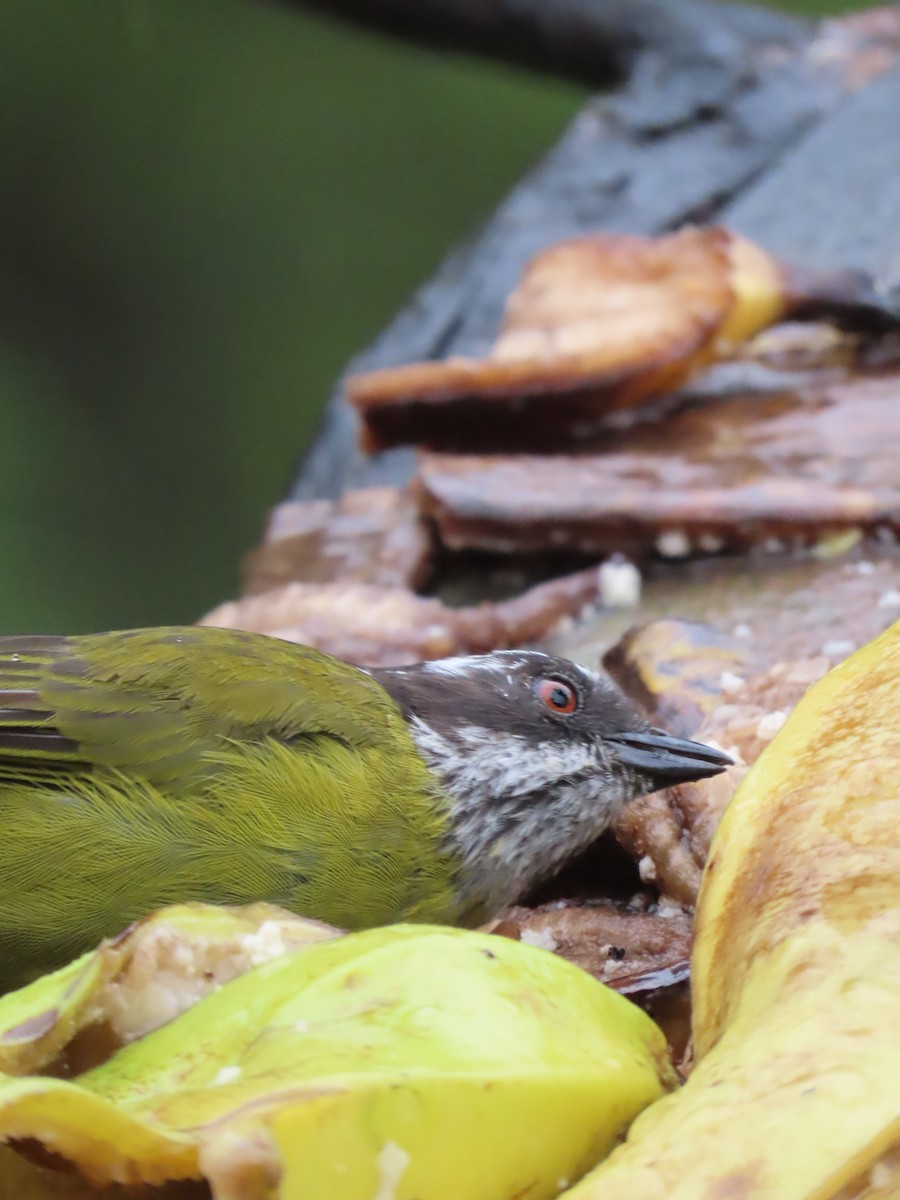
(665, 759)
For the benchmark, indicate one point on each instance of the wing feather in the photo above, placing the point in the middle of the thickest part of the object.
(163, 702)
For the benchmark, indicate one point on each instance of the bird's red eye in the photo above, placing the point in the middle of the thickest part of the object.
(557, 695)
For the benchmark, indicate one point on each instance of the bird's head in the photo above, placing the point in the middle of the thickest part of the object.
(537, 755)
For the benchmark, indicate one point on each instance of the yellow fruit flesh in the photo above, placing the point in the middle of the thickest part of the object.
(757, 285)
(455, 1063)
(796, 969)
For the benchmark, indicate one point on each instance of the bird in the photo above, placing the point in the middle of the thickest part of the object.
(147, 767)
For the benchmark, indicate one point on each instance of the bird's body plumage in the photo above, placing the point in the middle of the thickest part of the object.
(154, 766)
(157, 766)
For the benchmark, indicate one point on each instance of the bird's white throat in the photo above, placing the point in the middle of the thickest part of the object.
(520, 808)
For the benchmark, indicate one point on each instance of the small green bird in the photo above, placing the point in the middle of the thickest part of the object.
(154, 766)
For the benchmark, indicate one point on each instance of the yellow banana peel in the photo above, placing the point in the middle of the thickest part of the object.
(393, 1064)
(796, 971)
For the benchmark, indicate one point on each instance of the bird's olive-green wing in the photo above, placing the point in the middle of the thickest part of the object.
(163, 702)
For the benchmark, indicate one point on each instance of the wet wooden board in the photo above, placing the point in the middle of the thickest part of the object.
(709, 146)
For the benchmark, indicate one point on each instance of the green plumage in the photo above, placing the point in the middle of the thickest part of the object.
(151, 766)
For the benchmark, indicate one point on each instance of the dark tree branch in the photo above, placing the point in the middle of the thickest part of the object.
(592, 42)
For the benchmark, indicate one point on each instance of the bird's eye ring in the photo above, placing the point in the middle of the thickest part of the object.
(557, 695)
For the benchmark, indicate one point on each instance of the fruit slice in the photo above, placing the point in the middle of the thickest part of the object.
(796, 970)
(596, 324)
(409, 1062)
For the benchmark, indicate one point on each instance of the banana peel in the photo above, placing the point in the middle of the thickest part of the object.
(796, 971)
(156, 969)
(401, 1062)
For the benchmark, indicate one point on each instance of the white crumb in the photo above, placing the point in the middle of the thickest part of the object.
(769, 724)
(227, 1075)
(435, 633)
(729, 682)
(865, 568)
(182, 955)
(542, 938)
(620, 583)
(673, 543)
(392, 1161)
(838, 648)
(301, 1027)
(743, 631)
(647, 869)
(889, 599)
(266, 943)
(668, 908)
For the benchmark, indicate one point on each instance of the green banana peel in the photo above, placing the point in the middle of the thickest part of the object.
(394, 1063)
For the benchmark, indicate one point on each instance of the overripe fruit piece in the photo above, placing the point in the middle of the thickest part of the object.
(377, 626)
(596, 324)
(796, 969)
(441, 1062)
(676, 670)
(133, 983)
(771, 469)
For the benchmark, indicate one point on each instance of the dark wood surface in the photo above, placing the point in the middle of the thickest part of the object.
(792, 141)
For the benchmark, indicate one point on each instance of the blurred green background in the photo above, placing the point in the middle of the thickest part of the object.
(206, 207)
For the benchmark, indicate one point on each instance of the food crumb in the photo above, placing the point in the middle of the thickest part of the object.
(301, 1027)
(668, 908)
(839, 541)
(266, 943)
(647, 869)
(889, 599)
(673, 543)
(392, 1161)
(227, 1075)
(838, 647)
(769, 724)
(620, 583)
(729, 682)
(743, 631)
(542, 938)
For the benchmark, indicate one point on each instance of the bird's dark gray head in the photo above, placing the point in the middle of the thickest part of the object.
(537, 755)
